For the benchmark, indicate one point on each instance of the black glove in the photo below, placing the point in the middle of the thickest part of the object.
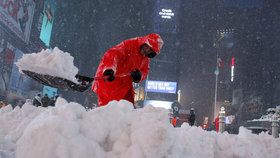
(136, 75)
(109, 74)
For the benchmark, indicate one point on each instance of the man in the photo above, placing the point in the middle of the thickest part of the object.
(174, 121)
(192, 117)
(216, 122)
(37, 100)
(123, 64)
(45, 100)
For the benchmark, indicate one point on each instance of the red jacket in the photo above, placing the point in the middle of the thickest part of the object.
(217, 123)
(174, 121)
(123, 58)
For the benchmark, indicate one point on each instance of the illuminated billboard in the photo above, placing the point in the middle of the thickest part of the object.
(47, 23)
(17, 16)
(158, 103)
(160, 86)
(166, 13)
(166, 18)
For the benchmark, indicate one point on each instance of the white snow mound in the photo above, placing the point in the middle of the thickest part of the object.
(49, 62)
(118, 131)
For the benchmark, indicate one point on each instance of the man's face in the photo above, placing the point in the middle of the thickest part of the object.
(147, 51)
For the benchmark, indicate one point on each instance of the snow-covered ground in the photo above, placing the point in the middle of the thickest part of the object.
(118, 131)
(50, 62)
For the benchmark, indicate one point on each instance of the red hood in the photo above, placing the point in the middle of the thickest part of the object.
(153, 40)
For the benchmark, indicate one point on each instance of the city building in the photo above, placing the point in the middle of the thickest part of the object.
(20, 26)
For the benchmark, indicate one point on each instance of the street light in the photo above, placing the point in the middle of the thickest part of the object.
(217, 71)
(221, 34)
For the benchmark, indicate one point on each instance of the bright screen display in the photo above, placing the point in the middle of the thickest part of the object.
(160, 86)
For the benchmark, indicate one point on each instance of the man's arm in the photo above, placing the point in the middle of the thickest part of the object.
(112, 58)
(145, 69)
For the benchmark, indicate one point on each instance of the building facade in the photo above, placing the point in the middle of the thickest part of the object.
(19, 34)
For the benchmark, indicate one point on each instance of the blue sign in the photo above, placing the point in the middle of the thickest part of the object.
(160, 86)
(48, 19)
(50, 91)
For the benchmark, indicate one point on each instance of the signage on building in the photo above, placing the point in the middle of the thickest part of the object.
(19, 83)
(232, 69)
(166, 13)
(7, 56)
(17, 15)
(158, 103)
(160, 86)
(166, 19)
(47, 22)
(230, 119)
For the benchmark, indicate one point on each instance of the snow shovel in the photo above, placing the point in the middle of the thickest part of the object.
(83, 84)
(61, 83)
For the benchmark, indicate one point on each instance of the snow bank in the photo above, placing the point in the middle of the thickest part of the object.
(271, 112)
(118, 131)
(50, 62)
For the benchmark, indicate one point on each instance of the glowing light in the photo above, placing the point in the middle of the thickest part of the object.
(179, 96)
(232, 69)
(166, 13)
(158, 103)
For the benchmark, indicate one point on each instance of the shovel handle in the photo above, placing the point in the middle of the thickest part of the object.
(106, 77)
(90, 79)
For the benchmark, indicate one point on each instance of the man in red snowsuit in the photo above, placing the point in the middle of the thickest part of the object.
(216, 122)
(123, 64)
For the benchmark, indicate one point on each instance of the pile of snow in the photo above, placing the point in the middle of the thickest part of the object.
(118, 131)
(271, 112)
(49, 62)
